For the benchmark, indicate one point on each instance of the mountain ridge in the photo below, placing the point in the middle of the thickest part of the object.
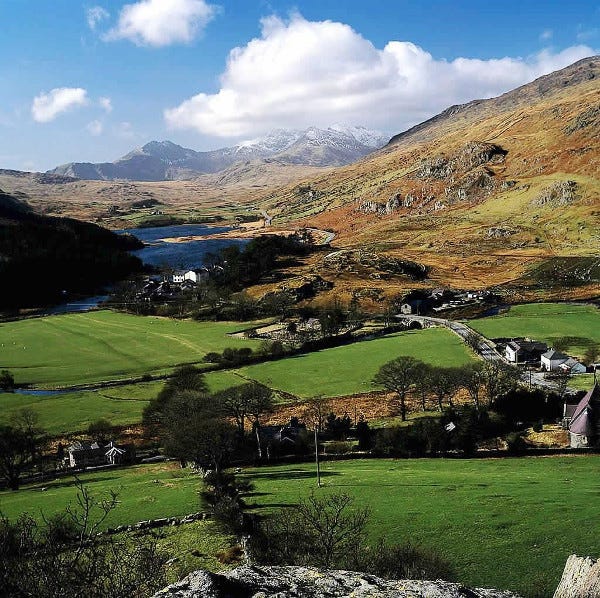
(165, 160)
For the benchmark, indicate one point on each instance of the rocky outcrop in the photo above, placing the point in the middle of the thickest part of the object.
(308, 582)
(561, 193)
(580, 579)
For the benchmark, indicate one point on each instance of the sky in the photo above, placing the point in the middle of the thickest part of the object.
(89, 81)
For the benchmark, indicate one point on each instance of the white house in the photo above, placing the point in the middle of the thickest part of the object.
(551, 360)
(522, 351)
(196, 275)
(179, 277)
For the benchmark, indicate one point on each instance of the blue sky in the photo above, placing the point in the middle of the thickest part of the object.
(88, 81)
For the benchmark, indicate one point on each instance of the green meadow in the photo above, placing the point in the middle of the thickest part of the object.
(97, 346)
(504, 523)
(350, 369)
(546, 322)
(144, 492)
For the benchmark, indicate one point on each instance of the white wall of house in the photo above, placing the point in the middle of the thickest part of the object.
(551, 365)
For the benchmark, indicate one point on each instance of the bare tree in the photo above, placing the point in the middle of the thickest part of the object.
(399, 375)
(443, 383)
(314, 415)
(320, 531)
(499, 378)
(472, 378)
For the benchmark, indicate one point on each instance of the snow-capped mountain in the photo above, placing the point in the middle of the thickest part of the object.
(164, 160)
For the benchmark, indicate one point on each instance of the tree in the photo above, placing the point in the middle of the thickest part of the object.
(331, 318)
(398, 376)
(423, 384)
(20, 443)
(7, 381)
(499, 378)
(64, 555)
(185, 378)
(443, 382)
(472, 377)
(100, 430)
(319, 531)
(472, 340)
(195, 430)
(247, 401)
(592, 353)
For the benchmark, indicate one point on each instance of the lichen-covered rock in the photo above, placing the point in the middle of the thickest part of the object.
(308, 582)
(580, 579)
(561, 193)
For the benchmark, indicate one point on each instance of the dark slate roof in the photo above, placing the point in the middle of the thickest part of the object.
(581, 422)
(554, 355)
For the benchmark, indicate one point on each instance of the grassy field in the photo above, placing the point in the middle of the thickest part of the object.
(145, 492)
(504, 523)
(104, 345)
(350, 369)
(546, 322)
(74, 411)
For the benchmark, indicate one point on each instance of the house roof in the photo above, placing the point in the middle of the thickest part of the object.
(581, 422)
(555, 355)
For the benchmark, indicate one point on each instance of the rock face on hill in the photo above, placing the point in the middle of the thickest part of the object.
(308, 582)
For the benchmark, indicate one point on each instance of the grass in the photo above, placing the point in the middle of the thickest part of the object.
(350, 369)
(546, 322)
(504, 523)
(96, 346)
(582, 382)
(144, 491)
(75, 411)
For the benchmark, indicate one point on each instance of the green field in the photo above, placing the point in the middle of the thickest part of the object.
(145, 492)
(504, 523)
(104, 345)
(545, 322)
(350, 369)
(75, 411)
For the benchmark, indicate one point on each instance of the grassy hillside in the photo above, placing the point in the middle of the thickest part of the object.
(505, 523)
(103, 345)
(350, 369)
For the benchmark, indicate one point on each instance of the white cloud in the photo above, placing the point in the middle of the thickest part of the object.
(47, 106)
(106, 104)
(587, 34)
(95, 128)
(162, 22)
(96, 15)
(546, 35)
(301, 73)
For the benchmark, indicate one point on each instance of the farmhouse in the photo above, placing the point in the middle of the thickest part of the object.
(520, 351)
(551, 359)
(584, 427)
(90, 454)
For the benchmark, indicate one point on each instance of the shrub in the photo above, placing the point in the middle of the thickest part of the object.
(231, 555)
(404, 561)
(515, 444)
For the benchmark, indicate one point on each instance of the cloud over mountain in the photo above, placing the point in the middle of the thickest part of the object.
(162, 22)
(47, 106)
(301, 72)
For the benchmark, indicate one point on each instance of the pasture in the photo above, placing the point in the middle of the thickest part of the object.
(504, 523)
(546, 322)
(96, 346)
(349, 369)
(144, 492)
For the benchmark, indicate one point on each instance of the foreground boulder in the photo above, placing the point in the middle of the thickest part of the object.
(308, 582)
(580, 579)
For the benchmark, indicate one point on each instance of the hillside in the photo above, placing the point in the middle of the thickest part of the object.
(164, 160)
(44, 259)
(503, 191)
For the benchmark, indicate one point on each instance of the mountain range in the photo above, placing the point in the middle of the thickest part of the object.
(164, 160)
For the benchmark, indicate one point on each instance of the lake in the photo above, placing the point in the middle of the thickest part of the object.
(180, 256)
(176, 256)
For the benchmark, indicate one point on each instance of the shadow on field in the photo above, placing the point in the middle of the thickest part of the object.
(73, 483)
(291, 475)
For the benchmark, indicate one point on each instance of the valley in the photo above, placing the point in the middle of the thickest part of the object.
(320, 314)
